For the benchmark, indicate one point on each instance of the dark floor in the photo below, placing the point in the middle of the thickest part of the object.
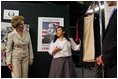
(81, 73)
(85, 73)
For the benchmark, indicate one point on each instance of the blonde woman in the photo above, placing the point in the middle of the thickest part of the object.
(19, 49)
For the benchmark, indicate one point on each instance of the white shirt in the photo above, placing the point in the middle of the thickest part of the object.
(65, 46)
(108, 12)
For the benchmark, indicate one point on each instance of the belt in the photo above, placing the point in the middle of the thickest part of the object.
(20, 46)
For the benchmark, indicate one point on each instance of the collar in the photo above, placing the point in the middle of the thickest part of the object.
(62, 39)
(19, 35)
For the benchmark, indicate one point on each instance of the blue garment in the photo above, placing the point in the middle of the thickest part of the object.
(112, 13)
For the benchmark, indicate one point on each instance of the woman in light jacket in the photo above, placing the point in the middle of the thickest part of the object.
(60, 48)
(19, 52)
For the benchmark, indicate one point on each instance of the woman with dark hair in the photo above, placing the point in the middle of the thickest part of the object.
(60, 48)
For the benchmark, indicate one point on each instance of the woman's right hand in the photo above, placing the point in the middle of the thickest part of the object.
(56, 50)
(10, 66)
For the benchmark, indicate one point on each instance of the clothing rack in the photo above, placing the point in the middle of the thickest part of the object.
(92, 6)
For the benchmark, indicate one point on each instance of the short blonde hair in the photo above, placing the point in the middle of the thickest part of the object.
(16, 20)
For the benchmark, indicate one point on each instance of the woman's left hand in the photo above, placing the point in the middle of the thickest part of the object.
(79, 43)
(30, 62)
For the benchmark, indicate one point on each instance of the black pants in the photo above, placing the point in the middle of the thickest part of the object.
(111, 72)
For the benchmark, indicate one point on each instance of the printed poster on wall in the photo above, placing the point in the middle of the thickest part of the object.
(9, 14)
(5, 29)
(46, 31)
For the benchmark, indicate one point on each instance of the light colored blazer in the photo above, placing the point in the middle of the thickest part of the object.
(18, 47)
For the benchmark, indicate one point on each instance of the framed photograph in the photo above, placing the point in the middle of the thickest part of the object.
(46, 31)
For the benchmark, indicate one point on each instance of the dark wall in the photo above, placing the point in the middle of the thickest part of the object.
(31, 12)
